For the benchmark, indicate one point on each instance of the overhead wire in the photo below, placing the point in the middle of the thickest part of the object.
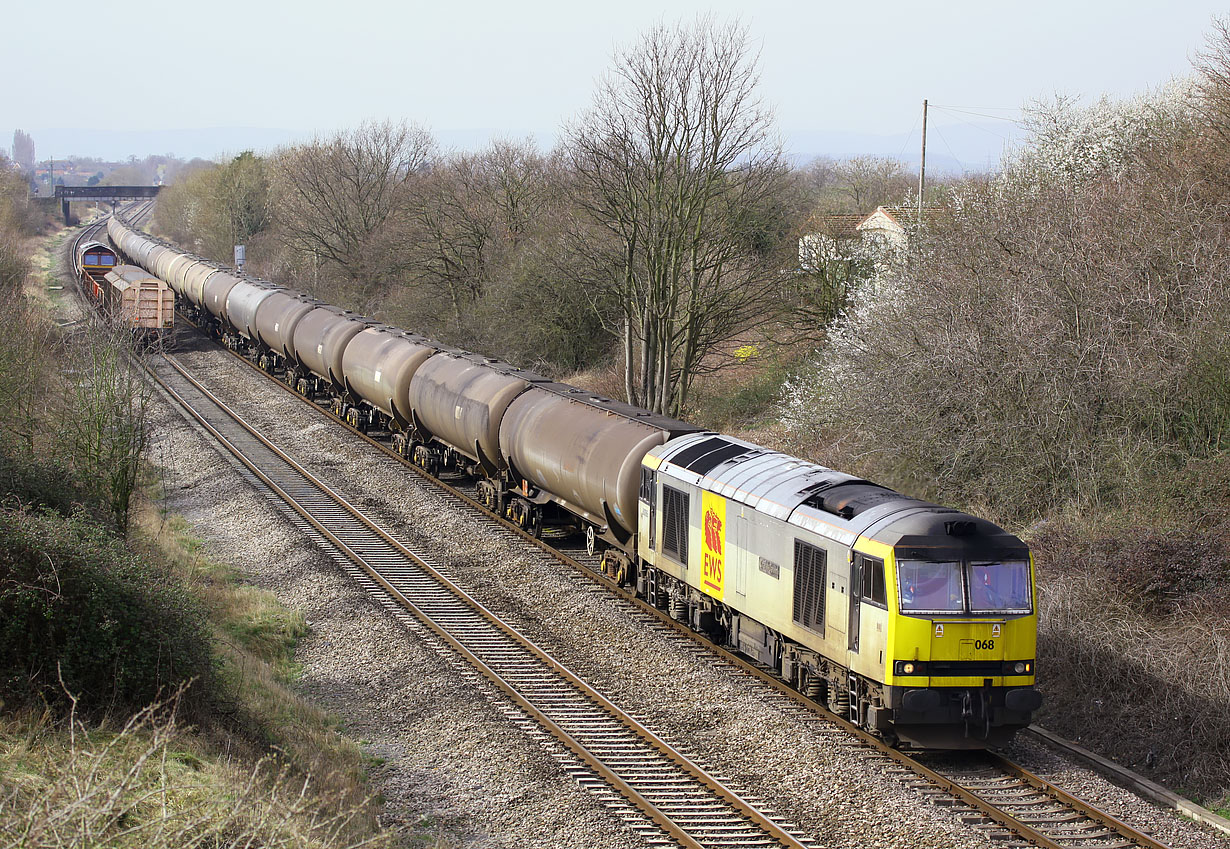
(959, 110)
(990, 132)
(910, 134)
(951, 152)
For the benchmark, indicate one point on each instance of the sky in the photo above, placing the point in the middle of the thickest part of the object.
(205, 79)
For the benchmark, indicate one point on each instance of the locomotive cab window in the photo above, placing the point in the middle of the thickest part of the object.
(996, 587)
(675, 524)
(930, 587)
(872, 572)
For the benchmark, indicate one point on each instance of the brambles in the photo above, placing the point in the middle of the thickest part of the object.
(80, 614)
(1057, 338)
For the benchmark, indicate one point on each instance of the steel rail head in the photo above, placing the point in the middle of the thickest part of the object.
(1001, 818)
(697, 773)
(1078, 804)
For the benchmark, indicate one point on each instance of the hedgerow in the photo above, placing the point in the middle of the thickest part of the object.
(83, 617)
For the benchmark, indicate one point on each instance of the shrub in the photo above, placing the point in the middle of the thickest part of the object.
(48, 483)
(82, 614)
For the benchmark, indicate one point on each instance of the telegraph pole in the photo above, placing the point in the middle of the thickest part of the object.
(922, 168)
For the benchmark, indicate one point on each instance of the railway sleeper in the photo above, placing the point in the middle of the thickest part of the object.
(846, 693)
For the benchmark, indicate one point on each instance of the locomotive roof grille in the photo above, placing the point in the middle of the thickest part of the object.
(849, 498)
(707, 454)
(687, 455)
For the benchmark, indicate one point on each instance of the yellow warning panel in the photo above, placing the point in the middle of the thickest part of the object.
(713, 544)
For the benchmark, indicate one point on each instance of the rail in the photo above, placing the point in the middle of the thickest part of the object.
(692, 807)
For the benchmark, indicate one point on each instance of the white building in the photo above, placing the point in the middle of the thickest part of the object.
(845, 237)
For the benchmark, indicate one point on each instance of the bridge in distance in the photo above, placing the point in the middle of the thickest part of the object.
(102, 194)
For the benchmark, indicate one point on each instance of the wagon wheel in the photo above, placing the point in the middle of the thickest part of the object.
(590, 540)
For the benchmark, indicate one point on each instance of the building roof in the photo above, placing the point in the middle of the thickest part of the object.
(902, 215)
(852, 226)
(837, 226)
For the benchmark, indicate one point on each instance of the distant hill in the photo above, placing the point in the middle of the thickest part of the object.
(951, 148)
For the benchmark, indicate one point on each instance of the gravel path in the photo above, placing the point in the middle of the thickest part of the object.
(452, 758)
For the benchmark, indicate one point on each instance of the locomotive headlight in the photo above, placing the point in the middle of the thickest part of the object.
(1022, 667)
(907, 669)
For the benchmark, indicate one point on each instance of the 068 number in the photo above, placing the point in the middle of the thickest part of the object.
(984, 645)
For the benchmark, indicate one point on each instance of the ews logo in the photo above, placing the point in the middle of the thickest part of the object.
(713, 544)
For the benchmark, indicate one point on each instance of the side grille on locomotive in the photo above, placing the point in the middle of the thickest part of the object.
(675, 524)
(809, 576)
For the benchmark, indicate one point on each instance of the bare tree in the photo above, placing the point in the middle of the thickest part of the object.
(469, 217)
(23, 149)
(871, 181)
(335, 196)
(671, 163)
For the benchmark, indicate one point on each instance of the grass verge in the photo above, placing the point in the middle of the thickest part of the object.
(258, 766)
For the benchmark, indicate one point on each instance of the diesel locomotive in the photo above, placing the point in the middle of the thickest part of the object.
(127, 294)
(914, 621)
(94, 260)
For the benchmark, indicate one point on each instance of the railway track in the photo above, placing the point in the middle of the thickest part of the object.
(984, 789)
(658, 790)
(1013, 806)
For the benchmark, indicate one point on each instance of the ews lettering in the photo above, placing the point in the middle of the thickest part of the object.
(713, 544)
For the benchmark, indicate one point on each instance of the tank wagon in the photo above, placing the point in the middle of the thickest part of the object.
(916, 621)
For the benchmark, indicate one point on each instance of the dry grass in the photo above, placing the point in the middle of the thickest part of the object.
(264, 768)
(255, 637)
(1149, 690)
(143, 786)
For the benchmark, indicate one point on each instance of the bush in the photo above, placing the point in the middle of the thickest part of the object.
(1148, 692)
(47, 483)
(82, 614)
(1056, 335)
